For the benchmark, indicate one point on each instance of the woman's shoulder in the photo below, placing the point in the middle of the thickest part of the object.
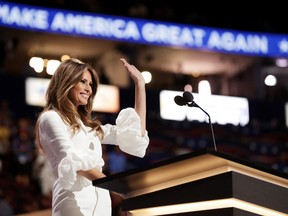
(48, 115)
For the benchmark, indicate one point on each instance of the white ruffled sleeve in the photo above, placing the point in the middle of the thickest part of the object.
(67, 169)
(64, 158)
(127, 133)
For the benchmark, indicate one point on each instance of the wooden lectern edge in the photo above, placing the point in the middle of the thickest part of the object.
(146, 179)
(220, 166)
(264, 176)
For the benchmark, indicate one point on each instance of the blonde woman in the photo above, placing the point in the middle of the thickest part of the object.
(71, 139)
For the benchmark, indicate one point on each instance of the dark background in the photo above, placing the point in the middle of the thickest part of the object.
(264, 141)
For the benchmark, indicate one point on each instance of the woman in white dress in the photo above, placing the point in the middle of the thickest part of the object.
(71, 139)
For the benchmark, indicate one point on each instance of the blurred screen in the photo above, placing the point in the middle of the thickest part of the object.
(222, 109)
(106, 100)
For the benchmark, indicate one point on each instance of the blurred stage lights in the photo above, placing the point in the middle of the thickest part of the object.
(38, 64)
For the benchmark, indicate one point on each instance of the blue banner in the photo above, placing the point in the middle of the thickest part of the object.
(142, 31)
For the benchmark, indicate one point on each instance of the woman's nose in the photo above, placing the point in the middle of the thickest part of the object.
(88, 87)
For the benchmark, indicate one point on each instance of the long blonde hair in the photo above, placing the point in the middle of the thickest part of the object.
(68, 74)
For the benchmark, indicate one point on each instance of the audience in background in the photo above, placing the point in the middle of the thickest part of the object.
(25, 180)
(5, 208)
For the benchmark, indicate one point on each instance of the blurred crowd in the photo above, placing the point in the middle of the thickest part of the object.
(25, 177)
(26, 180)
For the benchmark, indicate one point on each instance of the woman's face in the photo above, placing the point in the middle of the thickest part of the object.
(81, 92)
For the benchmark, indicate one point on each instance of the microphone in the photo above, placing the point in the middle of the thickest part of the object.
(188, 99)
(179, 100)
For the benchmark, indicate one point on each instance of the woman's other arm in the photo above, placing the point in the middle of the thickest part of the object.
(140, 93)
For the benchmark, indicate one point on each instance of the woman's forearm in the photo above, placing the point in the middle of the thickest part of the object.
(140, 93)
(140, 104)
(92, 174)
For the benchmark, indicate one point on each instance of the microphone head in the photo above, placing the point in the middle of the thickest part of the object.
(179, 100)
(188, 97)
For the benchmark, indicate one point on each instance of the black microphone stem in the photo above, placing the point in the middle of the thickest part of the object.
(193, 104)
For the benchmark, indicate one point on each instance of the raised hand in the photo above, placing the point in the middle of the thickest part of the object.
(134, 73)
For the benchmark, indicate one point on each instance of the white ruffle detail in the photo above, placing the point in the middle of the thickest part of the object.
(129, 136)
(74, 161)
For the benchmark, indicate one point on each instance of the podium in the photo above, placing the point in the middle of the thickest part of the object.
(201, 183)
